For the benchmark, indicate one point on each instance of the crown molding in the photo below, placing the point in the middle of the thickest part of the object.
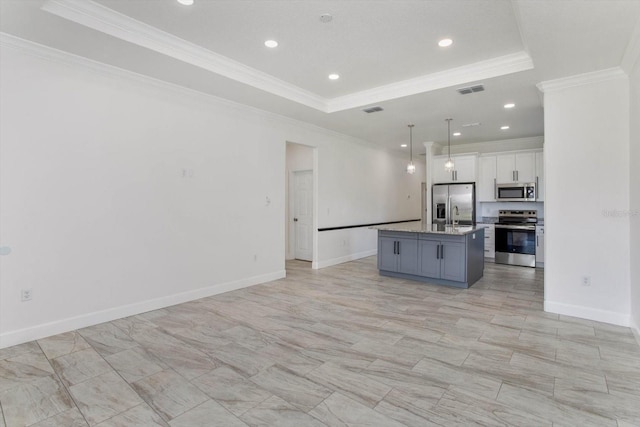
(581, 79)
(490, 68)
(50, 54)
(100, 18)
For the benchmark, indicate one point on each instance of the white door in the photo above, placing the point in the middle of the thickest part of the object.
(303, 215)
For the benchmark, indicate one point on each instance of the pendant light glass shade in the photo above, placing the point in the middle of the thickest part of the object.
(411, 168)
(449, 165)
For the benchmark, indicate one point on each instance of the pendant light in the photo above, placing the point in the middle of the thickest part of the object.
(411, 168)
(448, 166)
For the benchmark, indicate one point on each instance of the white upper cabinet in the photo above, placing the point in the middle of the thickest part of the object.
(486, 188)
(516, 167)
(464, 169)
(539, 176)
(504, 168)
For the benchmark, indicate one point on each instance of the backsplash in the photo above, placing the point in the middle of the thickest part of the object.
(490, 209)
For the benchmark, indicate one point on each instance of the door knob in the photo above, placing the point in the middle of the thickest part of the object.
(295, 219)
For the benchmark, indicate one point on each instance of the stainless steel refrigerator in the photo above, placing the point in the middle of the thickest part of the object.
(454, 202)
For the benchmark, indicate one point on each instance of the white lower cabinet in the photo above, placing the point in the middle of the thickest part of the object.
(539, 245)
(489, 241)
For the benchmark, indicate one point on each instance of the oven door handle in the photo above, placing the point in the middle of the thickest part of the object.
(516, 227)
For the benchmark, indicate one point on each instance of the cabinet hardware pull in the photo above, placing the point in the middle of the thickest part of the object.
(442, 251)
(398, 248)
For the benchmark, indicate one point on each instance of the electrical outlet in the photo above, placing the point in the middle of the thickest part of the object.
(586, 281)
(26, 295)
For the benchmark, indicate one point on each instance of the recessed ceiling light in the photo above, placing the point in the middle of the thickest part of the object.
(457, 134)
(504, 127)
(445, 42)
(271, 43)
(403, 145)
(509, 105)
(186, 2)
(334, 76)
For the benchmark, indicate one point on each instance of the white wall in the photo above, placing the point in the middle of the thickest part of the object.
(373, 188)
(587, 175)
(634, 160)
(121, 194)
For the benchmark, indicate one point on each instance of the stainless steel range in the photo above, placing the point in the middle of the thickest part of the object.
(516, 238)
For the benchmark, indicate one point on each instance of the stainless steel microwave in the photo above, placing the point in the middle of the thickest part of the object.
(516, 192)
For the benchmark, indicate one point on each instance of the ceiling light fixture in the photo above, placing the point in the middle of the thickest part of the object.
(403, 145)
(445, 42)
(509, 105)
(334, 76)
(411, 168)
(504, 128)
(186, 2)
(271, 43)
(449, 165)
(457, 134)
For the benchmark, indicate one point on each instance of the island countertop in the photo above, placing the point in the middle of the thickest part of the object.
(428, 228)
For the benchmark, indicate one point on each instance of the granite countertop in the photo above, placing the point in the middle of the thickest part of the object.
(420, 227)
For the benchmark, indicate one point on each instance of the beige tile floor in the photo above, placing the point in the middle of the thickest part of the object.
(341, 346)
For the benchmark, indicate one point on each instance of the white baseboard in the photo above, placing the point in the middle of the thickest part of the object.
(20, 336)
(343, 259)
(589, 313)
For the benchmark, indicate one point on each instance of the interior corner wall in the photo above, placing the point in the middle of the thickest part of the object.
(120, 194)
(587, 200)
(634, 162)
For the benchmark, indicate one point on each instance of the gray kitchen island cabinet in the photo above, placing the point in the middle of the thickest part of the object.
(452, 256)
(398, 252)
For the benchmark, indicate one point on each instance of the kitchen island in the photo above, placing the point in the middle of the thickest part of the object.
(432, 253)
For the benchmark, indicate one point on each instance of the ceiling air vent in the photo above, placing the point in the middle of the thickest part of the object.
(373, 109)
(470, 89)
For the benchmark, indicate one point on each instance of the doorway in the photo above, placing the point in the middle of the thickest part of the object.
(300, 195)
